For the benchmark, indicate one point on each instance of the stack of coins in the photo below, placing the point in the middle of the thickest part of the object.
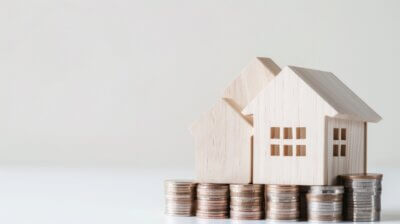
(212, 201)
(362, 197)
(282, 202)
(180, 198)
(247, 201)
(303, 190)
(325, 203)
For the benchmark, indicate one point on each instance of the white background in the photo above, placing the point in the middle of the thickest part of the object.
(96, 96)
(117, 83)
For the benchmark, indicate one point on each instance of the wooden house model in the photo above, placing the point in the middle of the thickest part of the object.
(294, 126)
(223, 135)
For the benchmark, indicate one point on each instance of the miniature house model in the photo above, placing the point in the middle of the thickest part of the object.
(296, 126)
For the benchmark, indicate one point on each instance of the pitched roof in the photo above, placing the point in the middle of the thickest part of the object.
(336, 94)
(251, 81)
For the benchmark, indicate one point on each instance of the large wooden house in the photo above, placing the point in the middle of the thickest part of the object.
(294, 126)
(309, 127)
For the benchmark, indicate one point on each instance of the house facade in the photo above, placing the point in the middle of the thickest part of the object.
(223, 136)
(308, 128)
(223, 145)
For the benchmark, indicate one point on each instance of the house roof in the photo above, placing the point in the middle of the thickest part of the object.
(251, 81)
(336, 94)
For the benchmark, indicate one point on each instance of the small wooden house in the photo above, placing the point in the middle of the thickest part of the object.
(223, 136)
(309, 127)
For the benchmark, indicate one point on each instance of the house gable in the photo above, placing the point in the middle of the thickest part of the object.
(279, 85)
(251, 81)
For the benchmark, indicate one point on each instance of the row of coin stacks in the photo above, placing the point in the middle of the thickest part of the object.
(358, 200)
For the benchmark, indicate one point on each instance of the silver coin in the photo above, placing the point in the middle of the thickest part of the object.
(326, 190)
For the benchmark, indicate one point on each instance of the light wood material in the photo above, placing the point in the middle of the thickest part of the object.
(354, 161)
(318, 101)
(223, 145)
(308, 128)
(251, 81)
(287, 101)
(347, 104)
(223, 136)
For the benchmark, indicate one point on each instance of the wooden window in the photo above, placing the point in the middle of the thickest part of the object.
(301, 133)
(300, 150)
(287, 150)
(336, 134)
(343, 150)
(287, 133)
(275, 133)
(274, 150)
(343, 134)
(335, 150)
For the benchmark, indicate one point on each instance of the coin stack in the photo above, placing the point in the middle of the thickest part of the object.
(325, 203)
(303, 190)
(212, 201)
(247, 201)
(282, 202)
(362, 197)
(180, 198)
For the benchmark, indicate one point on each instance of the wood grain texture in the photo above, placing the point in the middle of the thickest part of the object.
(318, 101)
(287, 101)
(251, 81)
(223, 145)
(347, 104)
(354, 161)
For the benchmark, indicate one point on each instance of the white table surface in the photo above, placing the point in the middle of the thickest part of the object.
(86, 195)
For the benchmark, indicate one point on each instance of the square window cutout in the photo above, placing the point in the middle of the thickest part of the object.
(275, 133)
(287, 132)
(287, 150)
(343, 150)
(336, 134)
(301, 133)
(335, 150)
(300, 150)
(274, 150)
(343, 134)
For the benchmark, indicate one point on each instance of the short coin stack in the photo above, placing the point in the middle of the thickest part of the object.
(180, 198)
(247, 201)
(325, 203)
(212, 201)
(362, 197)
(282, 202)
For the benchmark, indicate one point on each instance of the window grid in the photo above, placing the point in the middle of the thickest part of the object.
(287, 141)
(340, 143)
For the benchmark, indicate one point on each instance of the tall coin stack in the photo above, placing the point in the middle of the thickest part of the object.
(325, 203)
(180, 198)
(362, 197)
(212, 201)
(282, 202)
(247, 201)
